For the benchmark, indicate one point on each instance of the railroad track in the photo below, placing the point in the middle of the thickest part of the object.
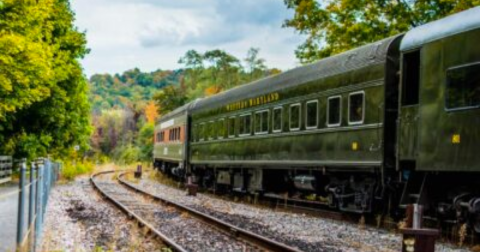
(181, 228)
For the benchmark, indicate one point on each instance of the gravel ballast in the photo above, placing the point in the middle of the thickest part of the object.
(189, 233)
(77, 219)
(302, 231)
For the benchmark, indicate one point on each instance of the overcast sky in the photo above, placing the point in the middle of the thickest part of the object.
(153, 34)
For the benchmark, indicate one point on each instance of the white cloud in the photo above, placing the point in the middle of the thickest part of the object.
(152, 34)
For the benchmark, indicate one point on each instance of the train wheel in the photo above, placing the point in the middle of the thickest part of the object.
(475, 211)
(332, 203)
(476, 223)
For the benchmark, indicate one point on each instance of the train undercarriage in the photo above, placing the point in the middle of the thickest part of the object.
(364, 193)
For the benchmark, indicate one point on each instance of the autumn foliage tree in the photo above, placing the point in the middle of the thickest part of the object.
(151, 112)
(335, 26)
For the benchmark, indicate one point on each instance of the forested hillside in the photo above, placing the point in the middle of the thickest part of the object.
(125, 106)
(123, 112)
(129, 88)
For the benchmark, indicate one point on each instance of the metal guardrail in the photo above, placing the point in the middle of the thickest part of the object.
(6, 166)
(42, 175)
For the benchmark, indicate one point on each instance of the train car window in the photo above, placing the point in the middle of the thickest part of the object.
(212, 133)
(231, 127)
(295, 116)
(411, 78)
(261, 122)
(311, 120)
(257, 122)
(334, 108)
(356, 107)
(221, 128)
(201, 132)
(265, 121)
(245, 124)
(463, 87)
(277, 119)
(195, 132)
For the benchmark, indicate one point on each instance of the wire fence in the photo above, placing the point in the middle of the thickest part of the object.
(35, 183)
(6, 165)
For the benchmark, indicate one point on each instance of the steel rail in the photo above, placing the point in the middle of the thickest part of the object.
(169, 242)
(261, 241)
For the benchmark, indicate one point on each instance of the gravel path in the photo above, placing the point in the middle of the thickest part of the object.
(305, 232)
(77, 219)
(190, 233)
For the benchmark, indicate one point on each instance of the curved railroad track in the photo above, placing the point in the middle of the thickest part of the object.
(181, 228)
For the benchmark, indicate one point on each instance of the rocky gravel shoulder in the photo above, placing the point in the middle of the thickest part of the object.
(77, 219)
(305, 232)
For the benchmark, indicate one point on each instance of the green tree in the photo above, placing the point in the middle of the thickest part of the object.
(193, 62)
(145, 141)
(255, 65)
(335, 26)
(44, 107)
(224, 69)
(169, 98)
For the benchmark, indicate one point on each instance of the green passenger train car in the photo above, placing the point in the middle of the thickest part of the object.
(369, 130)
(327, 117)
(169, 149)
(440, 117)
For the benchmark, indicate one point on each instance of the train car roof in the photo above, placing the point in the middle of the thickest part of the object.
(445, 27)
(178, 111)
(364, 56)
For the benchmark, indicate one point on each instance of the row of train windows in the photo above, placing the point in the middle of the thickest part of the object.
(261, 119)
(173, 135)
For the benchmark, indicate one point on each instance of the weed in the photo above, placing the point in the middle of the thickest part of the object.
(462, 234)
(361, 222)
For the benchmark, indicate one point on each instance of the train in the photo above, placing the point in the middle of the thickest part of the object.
(370, 130)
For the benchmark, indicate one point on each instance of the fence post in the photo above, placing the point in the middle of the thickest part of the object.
(38, 203)
(31, 206)
(21, 206)
(46, 189)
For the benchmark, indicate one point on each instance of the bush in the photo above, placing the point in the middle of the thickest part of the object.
(70, 171)
(128, 154)
(100, 158)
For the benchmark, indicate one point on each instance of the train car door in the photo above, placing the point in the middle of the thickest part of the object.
(409, 113)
